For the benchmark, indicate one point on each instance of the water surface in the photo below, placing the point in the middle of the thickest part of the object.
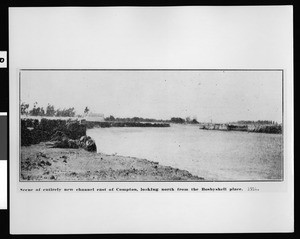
(214, 155)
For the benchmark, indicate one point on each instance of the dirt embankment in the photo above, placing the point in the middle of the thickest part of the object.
(40, 163)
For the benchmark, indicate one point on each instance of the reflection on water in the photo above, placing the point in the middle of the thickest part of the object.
(214, 155)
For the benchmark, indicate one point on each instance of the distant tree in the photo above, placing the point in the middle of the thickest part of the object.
(111, 118)
(136, 119)
(194, 121)
(188, 119)
(86, 110)
(33, 111)
(24, 108)
(50, 111)
(70, 112)
(41, 111)
(177, 120)
(37, 111)
(58, 112)
(133, 119)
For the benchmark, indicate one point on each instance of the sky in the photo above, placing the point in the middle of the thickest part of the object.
(217, 96)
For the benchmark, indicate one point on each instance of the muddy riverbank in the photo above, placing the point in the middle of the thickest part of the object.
(40, 163)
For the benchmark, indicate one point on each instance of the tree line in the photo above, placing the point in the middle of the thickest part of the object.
(177, 120)
(70, 112)
(48, 111)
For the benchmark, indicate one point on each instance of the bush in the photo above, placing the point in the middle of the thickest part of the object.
(46, 129)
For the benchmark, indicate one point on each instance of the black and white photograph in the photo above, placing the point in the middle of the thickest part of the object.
(151, 125)
(170, 119)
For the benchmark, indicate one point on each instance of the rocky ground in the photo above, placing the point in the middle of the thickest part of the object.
(41, 163)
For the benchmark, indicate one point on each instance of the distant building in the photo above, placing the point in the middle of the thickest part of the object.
(95, 117)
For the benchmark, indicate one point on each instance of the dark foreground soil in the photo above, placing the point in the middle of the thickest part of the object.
(41, 163)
